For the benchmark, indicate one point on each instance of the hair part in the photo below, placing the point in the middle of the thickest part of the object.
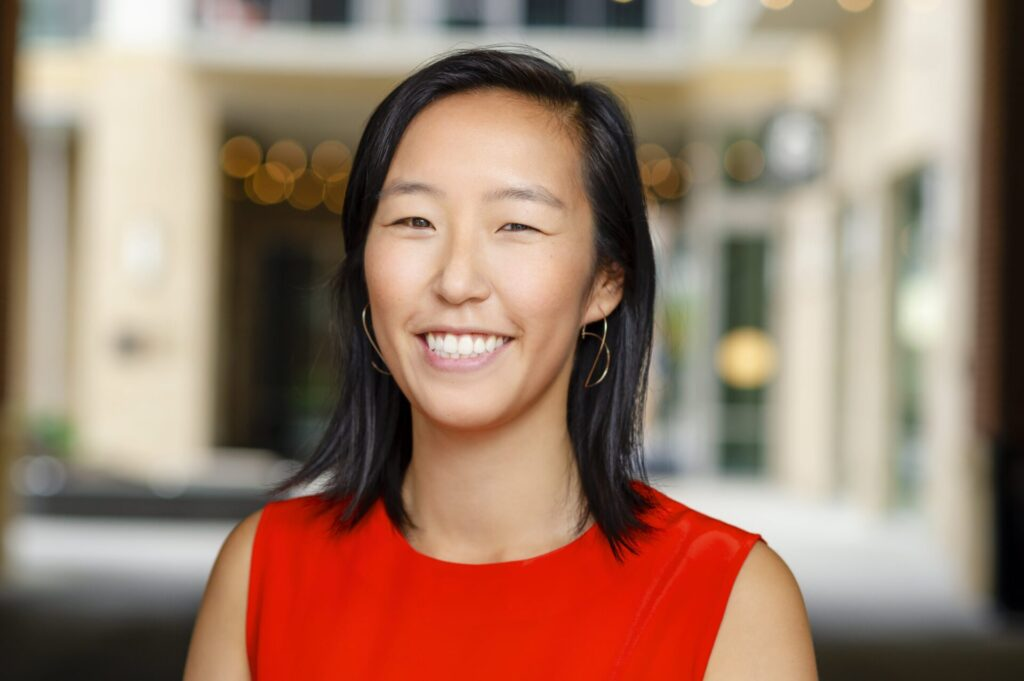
(367, 443)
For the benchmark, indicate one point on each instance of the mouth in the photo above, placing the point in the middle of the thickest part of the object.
(462, 347)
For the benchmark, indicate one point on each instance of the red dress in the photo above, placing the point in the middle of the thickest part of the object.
(369, 606)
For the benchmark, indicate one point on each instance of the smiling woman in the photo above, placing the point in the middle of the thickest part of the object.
(484, 511)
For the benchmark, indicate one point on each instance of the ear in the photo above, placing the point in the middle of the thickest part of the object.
(605, 294)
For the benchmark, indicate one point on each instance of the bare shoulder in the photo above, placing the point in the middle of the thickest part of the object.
(764, 633)
(218, 650)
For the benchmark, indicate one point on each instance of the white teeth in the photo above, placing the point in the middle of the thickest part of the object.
(451, 343)
(461, 347)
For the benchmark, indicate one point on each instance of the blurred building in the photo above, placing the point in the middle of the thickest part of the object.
(813, 182)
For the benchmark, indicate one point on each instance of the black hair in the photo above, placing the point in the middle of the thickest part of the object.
(367, 444)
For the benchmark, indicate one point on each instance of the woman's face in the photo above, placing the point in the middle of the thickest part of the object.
(482, 247)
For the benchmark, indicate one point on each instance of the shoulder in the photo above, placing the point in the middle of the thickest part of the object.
(764, 633)
(218, 646)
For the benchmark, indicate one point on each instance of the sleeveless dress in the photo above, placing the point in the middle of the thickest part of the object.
(366, 605)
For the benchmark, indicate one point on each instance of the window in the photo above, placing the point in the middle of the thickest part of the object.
(745, 344)
(56, 18)
(607, 14)
(464, 13)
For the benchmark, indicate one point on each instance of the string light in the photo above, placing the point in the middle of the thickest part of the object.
(240, 156)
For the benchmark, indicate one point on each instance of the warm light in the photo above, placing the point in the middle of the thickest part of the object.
(924, 5)
(240, 156)
(648, 152)
(290, 154)
(271, 183)
(776, 4)
(251, 193)
(658, 171)
(744, 160)
(330, 160)
(334, 195)
(855, 5)
(746, 358)
(703, 3)
(648, 155)
(308, 191)
(675, 178)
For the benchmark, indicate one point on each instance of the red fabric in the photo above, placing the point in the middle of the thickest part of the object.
(369, 606)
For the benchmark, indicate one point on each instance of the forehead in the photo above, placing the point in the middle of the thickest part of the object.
(491, 136)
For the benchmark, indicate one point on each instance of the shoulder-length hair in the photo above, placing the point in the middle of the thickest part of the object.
(366, 446)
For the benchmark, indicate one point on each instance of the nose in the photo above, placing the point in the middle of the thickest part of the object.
(461, 276)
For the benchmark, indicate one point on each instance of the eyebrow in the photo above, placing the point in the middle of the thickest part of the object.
(519, 192)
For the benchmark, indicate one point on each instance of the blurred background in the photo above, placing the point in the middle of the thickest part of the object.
(833, 186)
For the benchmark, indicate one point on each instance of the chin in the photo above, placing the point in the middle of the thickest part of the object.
(466, 417)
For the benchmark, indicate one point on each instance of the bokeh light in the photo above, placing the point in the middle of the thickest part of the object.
(289, 154)
(746, 358)
(674, 178)
(271, 183)
(307, 192)
(334, 194)
(240, 156)
(330, 160)
(744, 161)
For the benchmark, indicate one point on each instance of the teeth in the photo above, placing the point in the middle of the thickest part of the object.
(460, 347)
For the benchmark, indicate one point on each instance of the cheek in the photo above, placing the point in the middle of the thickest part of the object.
(544, 283)
(392, 273)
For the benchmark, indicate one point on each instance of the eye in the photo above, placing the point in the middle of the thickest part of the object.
(518, 224)
(414, 222)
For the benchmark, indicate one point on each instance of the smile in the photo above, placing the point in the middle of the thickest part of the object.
(463, 346)
(462, 351)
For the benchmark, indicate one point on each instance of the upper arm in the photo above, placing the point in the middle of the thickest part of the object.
(764, 633)
(218, 646)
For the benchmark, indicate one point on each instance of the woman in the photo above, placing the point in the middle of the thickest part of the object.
(484, 511)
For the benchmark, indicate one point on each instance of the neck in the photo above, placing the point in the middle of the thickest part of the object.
(495, 495)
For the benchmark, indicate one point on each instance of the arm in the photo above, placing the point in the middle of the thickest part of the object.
(764, 634)
(218, 648)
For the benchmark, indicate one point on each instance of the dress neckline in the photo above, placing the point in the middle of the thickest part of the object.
(559, 555)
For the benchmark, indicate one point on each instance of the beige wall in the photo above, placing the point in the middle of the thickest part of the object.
(146, 263)
(910, 96)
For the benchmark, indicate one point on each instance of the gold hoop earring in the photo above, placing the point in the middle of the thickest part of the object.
(366, 330)
(608, 354)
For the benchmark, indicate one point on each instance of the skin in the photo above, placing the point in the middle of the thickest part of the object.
(492, 477)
